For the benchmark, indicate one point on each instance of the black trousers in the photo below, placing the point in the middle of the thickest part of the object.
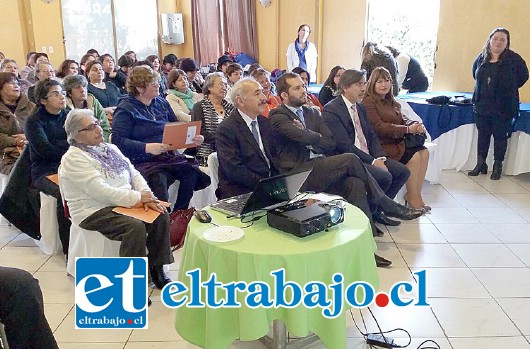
(499, 127)
(392, 180)
(160, 182)
(22, 311)
(49, 188)
(134, 235)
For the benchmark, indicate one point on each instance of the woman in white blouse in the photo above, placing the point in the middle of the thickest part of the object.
(180, 96)
(302, 53)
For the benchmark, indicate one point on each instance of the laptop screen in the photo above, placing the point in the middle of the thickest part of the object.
(275, 191)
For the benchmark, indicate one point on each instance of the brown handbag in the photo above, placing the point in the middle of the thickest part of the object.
(178, 226)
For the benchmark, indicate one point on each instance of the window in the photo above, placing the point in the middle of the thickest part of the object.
(90, 24)
(409, 25)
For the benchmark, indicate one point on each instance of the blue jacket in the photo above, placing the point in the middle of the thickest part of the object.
(135, 124)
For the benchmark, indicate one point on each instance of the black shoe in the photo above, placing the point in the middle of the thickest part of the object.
(479, 168)
(381, 262)
(149, 302)
(404, 212)
(497, 170)
(380, 217)
(159, 277)
(378, 232)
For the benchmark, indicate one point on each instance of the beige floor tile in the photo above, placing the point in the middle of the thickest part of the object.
(522, 251)
(496, 215)
(57, 287)
(22, 240)
(511, 233)
(487, 255)
(430, 255)
(490, 342)
(453, 283)
(515, 200)
(160, 345)
(390, 252)
(56, 313)
(478, 200)
(518, 309)
(55, 263)
(27, 258)
(161, 325)
(472, 317)
(67, 333)
(452, 215)
(475, 233)
(388, 277)
(417, 234)
(523, 212)
(7, 234)
(502, 186)
(505, 282)
(91, 345)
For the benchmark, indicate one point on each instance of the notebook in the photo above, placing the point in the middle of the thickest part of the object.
(269, 193)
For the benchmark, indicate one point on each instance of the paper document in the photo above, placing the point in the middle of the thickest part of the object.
(140, 213)
(180, 135)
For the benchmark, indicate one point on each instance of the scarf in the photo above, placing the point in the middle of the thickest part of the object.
(301, 53)
(112, 163)
(186, 97)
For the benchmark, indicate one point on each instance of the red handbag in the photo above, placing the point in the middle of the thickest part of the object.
(178, 226)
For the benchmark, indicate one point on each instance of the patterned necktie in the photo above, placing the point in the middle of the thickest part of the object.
(300, 115)
(255, 131)
(359, 130)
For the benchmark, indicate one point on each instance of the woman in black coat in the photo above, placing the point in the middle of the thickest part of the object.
(499, 73)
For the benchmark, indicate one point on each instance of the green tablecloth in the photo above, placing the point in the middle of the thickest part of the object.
(347, 248)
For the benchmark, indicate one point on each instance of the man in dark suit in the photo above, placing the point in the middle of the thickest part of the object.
(301, 138)
(243, 142)
(344, 115)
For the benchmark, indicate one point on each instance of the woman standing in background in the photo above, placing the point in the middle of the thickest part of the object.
(302, 53)
(499, 73)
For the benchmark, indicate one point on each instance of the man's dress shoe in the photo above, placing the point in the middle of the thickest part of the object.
(404, 212)
(381, 262)
(159, 277)
(381, 217)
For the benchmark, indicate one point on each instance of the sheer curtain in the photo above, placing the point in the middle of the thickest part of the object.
(223, 25)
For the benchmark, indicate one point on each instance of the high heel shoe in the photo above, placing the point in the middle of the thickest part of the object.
(479, 168)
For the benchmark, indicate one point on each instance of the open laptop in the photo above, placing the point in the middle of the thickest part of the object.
(269, 193)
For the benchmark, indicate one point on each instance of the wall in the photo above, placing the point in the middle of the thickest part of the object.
(48, 33)
(337, 28)
(12, 40)
(475, 19)
(184, 7)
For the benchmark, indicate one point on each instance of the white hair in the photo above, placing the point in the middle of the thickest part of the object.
(73, 121)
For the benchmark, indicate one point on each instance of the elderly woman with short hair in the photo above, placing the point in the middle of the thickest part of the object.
(43, 70)
(213, 109)
(96, 177)
(137, 130)
(47, 144)
(77, 97)
(15, 107)
(180, 96)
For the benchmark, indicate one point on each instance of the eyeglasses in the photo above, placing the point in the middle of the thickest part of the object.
(91, 127)
(56, 94)
(154, 83)
(14, 83)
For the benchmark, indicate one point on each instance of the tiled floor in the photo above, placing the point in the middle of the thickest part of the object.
(475, 247)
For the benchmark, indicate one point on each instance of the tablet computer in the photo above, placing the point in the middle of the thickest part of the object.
(180, 135)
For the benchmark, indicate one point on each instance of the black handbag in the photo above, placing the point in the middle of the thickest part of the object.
(414, 140)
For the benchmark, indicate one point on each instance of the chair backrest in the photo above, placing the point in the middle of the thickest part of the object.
(213, 166)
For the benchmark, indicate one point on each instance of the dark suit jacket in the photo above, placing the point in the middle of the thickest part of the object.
(337, 118)
(241, 162)
(291, 142)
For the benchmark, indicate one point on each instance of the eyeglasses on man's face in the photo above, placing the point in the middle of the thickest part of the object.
(91, 127)
(56, 94)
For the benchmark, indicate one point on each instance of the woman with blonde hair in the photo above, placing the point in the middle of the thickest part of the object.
(391, 126)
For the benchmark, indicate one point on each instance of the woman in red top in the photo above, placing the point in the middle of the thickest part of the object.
(262, 76)
(384, 113)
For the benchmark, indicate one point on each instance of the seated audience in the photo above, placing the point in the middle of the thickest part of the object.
(312, 100)
(30, 65)
(117, 77)
(137, 130)
(77, 97)
(329, 88)
(223, 62)
(410, 76)
(131, 54)
(195, 79)
(83, 62)
(106, 92)
(93, 52)
(96, 177)
(47, 144)
(125, 63)
(243, 142)
(39, 57)
(234, 73)
(273, 101)
(15, 107)
(10, 66)
(155, 61)
(43, 71)
(180, 97)
(169, 62)
(22, 311)
(67, 67)
(384, 113)
(213, 109)
(347, 121)
(375, 55)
